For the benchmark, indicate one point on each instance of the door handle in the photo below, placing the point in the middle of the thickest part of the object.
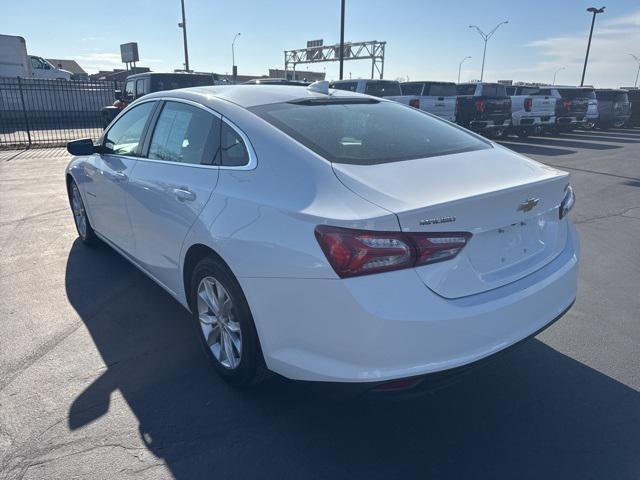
(183, 194)
(119, 176)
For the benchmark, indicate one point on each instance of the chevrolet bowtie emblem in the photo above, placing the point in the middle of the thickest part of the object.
(528, 205)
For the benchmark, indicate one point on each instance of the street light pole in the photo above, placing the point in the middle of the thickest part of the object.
(486, 37)
(341, 37)
(460, 66)
(556, 73)
(638, 72)
(234, 69)
(183, 25)
(595, 11)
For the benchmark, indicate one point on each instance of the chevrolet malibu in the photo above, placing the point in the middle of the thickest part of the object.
(326, 235)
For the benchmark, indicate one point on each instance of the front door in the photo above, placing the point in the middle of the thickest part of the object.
(109, 174)
(169, 188)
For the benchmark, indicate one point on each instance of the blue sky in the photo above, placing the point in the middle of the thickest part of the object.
(425, 39)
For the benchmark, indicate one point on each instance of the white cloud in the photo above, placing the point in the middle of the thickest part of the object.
(609, 62)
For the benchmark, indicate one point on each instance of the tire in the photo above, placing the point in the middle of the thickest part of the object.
(80, 218)
(522, 133)
(212, 287)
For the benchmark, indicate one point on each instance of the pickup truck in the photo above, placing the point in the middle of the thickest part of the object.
(572, 105)
(376, 88)
(438, 98)
(484, 108)
(614, 108)
(591, 119)
(140, 84)
(532, 111)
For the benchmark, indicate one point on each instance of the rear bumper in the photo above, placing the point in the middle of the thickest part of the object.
(488, 125)
(533, 122)
(390, 326)
(570, 121)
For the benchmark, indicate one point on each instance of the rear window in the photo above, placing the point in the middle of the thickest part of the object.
(361, 132)
(440, 89)
(172, 82)
(573, 93)
(411, 88)
(494, 91)
(383, 89)
(348, 86)
(613, 96)
(469, 89)
(533, 91)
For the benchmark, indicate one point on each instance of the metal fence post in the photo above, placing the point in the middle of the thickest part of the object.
(24, 112)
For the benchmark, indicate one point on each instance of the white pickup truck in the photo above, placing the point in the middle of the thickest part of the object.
(532, 110)
(438, 98)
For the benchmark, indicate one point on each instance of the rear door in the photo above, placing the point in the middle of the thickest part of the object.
(171, 185)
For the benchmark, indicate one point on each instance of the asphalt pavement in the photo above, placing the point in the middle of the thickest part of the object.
(101, 376)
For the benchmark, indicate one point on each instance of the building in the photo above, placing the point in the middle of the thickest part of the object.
(70, 66)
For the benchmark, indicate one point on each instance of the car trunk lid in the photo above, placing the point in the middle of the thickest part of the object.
(508, 202)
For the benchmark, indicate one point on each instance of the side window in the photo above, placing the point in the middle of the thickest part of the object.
(124, 137)
(141, 87)
(234, 151)
(129, 89)
(348, 86)
(185, 134)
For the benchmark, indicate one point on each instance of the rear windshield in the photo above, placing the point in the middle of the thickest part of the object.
(440, 89)
(383, 89)
(573, 93)
(361, 132)
(533, 91)
(494, 91)
(613, 96)
(411, 88)
(469, 89)
(172, 82)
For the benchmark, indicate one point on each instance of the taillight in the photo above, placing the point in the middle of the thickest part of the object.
(480, 106)
(566, 104)
(361, 252)
(528, 103)
(415, 103)
(568, 201)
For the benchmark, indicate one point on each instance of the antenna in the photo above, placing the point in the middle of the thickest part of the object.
(321, 86)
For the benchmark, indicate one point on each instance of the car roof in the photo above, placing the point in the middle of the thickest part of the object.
(168, 74)
(247, 96)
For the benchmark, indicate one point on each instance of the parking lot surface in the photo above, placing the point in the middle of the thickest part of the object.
(101, 376)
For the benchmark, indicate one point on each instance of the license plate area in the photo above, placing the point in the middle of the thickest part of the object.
(502, 248)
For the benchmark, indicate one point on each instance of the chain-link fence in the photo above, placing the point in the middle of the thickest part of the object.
(43, 113)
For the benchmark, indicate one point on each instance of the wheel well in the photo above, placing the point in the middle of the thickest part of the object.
(196, 253)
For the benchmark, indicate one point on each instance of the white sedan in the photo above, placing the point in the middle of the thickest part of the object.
(326, 235)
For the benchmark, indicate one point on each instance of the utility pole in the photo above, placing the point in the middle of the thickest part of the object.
(183, 25)
(638, 72)
(556, 73)
(234, 69)
(460, 66)
(341, 37)
(486, 37)
(595, 12)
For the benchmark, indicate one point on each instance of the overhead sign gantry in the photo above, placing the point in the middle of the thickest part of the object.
(316, 52)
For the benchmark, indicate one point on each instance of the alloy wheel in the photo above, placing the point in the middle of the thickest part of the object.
(79, 213)
(219, 327)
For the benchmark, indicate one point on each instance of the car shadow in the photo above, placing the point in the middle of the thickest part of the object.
(535, 149)
(533, 413)
(594, 137)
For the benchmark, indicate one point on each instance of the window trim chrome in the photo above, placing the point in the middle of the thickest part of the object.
(253, 159)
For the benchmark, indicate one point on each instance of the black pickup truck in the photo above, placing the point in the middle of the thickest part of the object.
(484, 108)
(614, 108)
(140, 84)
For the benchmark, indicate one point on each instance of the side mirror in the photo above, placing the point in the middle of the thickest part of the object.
(117, 94)
(84, 146)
